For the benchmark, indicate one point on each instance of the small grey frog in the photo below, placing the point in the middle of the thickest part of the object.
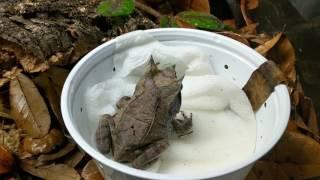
(138, 133)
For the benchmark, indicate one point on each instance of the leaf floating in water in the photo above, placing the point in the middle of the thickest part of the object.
(43, 145)
(116, 7)
(28, 107)
(52, 172)
(91, 171)
(262, 82)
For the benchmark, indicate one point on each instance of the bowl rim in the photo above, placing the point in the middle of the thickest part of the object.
(280, 91)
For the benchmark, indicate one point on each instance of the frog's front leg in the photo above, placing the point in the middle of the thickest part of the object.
(151, 153)
(103, 134)
(182, 126)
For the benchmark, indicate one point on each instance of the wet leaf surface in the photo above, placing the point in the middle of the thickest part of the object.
(28, 107)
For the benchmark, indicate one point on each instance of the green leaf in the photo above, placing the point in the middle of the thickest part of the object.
(167, 21)
(116, 7)
(201, 20)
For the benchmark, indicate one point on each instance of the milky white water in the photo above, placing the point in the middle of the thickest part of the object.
(224, 126)
(220, 137)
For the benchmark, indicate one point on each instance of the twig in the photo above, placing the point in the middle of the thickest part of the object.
(148, 9)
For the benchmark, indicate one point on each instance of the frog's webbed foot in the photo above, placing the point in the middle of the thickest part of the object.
(103, 134)
(123, 101)
(151, 153)
(182, 126)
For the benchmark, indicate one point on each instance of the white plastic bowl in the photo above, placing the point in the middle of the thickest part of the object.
(97, 66)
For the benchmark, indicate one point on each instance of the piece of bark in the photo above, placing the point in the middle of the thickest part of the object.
(36, 34)
(262, 83)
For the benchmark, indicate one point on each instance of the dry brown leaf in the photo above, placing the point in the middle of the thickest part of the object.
(268, 171)
(262, 82)
(235, 36)
(252, 4)
(251, 176)
(10, 140)
(6, 160)
(4, 111)
(58, 76)
(62, 152)
(230, 22)
(52, 172)
(74, 159)
(264, 170)
(304, 171)
(264, 48)
(195, 5)
(43, 145)
(28, 107)
(243, 8)
(52, 94)
(297, 94)
(249, 29)
(91, 171)
(283, 54)
(309, 115)
(292, 126)
(296, 148)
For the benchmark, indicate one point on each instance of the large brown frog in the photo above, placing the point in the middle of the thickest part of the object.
(138, 132)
